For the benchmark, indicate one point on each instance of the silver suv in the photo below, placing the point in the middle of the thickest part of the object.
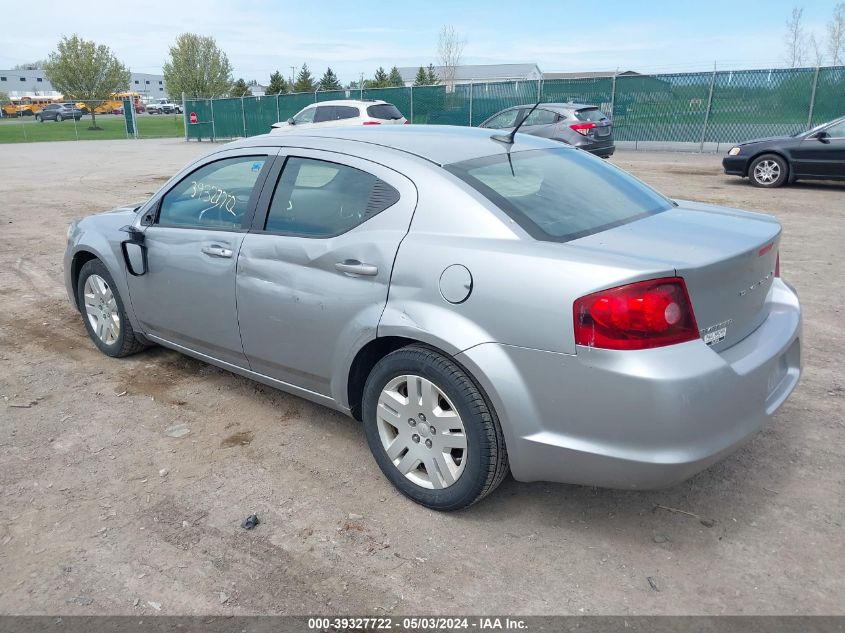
(580, 125)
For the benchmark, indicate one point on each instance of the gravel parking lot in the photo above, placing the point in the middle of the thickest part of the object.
(102, 512)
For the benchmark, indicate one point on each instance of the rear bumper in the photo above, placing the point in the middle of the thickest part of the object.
(735, 165)
(639, 419)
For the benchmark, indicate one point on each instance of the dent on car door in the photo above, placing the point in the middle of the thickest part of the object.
(313, 273)
(187, 296)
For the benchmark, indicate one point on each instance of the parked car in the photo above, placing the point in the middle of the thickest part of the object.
(579, 125)
(480, 305)
(342, 112)
(58, 112)
(163, 106)
(818, 154)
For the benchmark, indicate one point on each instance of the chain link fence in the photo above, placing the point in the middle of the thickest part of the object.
(691, 108)
(31, 119)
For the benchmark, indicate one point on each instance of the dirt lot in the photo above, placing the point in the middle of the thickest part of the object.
(102, 512)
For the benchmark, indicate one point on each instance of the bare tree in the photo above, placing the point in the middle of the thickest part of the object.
(816, 51)
(450, 48)
(836, 35)
(795, 38)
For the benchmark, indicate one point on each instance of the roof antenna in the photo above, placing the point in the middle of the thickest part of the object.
(508, 138)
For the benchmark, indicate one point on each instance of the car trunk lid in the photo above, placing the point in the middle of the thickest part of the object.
(725, 256)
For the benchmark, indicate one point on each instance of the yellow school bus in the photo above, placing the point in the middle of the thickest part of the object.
(26, 106)
(115, 101)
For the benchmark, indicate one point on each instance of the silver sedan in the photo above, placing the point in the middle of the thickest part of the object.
(482, 304)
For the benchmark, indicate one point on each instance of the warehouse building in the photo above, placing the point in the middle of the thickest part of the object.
(29, 83)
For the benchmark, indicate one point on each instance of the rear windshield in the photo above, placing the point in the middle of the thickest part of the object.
(562, 194)
(590, 114)
(386, 111)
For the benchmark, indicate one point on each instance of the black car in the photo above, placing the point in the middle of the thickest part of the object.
(58, 112)
(578, 124)
(818, 154)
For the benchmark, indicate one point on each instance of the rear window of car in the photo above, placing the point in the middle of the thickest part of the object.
(560, 195)
(590, 114)
(386, 111)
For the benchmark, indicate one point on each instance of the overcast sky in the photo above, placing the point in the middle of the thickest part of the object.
(261, 36)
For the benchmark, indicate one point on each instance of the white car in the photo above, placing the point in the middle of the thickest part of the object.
(342, 112)
(163, 106)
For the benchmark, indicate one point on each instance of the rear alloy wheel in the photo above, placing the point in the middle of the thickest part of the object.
(431, 430)
(768, 170)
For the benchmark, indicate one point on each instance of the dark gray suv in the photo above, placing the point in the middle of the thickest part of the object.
(580, 125)
(58, 112)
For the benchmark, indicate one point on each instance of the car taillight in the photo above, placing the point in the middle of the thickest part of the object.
(640, 315)
(777, 265)
(583, 128)
(371, 123)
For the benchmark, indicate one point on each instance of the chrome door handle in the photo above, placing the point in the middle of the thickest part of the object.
(354, 267)
(217, 251)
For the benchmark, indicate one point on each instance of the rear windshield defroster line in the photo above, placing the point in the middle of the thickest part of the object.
(559, 195)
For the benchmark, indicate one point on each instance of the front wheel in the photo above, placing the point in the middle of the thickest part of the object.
(103, 312)
(59, 118)
(431, 430)
(768, 170)
(38, 118)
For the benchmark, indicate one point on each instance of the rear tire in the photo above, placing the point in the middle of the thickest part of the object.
(450, 451)
(768, 171)
(103, 312)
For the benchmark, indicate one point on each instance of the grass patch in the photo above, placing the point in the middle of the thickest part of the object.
(26, 129)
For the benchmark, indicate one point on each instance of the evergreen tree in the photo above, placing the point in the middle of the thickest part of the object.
(380, 79)
(422, 77)
(277, 84)
(240, 89)
(395, 78)
(432, 75)
(329, 81)
(304, 80)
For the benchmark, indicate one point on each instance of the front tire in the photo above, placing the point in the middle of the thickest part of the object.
(768, 171)
(431, 430)
(103, 312)
(39, 118)
(59, 118)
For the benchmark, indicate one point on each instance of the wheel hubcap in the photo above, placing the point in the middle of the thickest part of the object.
(101, 309)
(767, 171)
(421, 431)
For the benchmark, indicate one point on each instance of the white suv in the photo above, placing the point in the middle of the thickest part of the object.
(342, 112)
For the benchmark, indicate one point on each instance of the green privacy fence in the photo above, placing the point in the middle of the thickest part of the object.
(709, 107)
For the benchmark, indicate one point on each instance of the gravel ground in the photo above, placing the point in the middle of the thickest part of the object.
(102, 512)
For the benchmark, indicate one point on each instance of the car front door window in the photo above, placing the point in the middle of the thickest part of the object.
(306, 116)
(504, 120)
(216, 195)
(836, 131)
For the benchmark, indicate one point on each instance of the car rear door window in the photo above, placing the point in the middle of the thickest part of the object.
(541, 116)
(503, 120)
(316, 198)
(385, 111)
(216, 195)
(560, 194)
(345, 112)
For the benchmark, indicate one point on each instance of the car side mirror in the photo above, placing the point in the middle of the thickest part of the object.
(291, 121)
(822, 136)
(134, 251)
